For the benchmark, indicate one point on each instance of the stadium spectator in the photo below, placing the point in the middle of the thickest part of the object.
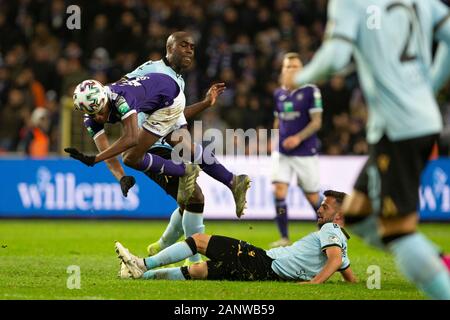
(242, 42)
(36, 140)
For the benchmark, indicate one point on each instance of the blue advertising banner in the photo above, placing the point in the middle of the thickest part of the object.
(435, 191)
(63, 187)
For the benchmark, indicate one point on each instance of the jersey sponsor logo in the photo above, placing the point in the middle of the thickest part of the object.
(289, 115)
(288, 106)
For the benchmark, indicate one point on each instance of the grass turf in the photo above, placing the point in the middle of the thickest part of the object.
(35, 255)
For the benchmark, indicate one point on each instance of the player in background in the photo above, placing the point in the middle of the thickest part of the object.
(394, 62)
(312, 259)
(298, 116)
(172, 65)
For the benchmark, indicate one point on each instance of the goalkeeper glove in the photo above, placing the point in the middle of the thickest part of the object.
(126, 183)
(87, 160)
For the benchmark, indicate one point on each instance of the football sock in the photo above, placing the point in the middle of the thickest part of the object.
(166, 274)
(281, 217)
(156, 164)
(193, 223)
(175, 253)
(419, 261)
(367, 229)
(212, 167)
(174, 230)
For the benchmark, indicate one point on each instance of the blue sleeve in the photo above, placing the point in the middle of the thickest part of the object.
(441, 20)
(343, 20)
(329, 236)
(145, 68)
(440, 71)
(333, 56)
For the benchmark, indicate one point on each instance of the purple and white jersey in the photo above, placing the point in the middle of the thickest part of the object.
(141, 94)
(293, 110)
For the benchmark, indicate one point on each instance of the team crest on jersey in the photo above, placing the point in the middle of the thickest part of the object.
(282, 97)
(333, 239)
(299, 96)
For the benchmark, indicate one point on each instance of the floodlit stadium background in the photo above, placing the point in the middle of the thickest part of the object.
(238, 42)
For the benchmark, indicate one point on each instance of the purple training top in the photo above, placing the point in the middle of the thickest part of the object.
(142, 94)
(293, 110)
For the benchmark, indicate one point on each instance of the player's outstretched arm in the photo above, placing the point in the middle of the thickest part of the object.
(348, 275)
(210, 99)
(440, 70)
(334, 55)
(126, 182)
(127, 140)
(334, 262)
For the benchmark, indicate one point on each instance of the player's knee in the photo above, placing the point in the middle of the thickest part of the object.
(198, 271)
(201, 241)
(280, 190)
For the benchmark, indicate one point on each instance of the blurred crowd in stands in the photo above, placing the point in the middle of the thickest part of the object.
(239, 42)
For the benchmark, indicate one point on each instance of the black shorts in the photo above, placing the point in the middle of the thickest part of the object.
(168, 183)
(233, 259)
(391, 175)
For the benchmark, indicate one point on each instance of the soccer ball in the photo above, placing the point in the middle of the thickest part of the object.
(90, 97)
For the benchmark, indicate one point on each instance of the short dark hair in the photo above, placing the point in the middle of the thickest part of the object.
(339, 196)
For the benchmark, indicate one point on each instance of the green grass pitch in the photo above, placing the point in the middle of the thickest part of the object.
(35, 255)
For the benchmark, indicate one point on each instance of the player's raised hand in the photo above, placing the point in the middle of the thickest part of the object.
(74, 153)
(214, 92)
(126, 183)
(291, 142)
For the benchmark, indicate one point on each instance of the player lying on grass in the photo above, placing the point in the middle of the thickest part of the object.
(159, 97)
(314, 258)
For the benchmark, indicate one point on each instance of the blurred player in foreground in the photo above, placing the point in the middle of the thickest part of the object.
(298, 116)
(393, 53)
(312, 259)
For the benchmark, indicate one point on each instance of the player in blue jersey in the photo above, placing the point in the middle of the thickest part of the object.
(298, 116)
(392, 47)
(159, 96)
(171, 66)
(312, 259)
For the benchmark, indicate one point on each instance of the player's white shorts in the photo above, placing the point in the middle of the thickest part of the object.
(304, 168)
(167, 119)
